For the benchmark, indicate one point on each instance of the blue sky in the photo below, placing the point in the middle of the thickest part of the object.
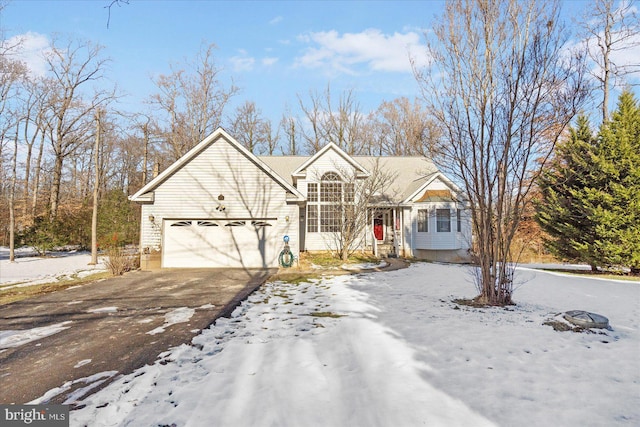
(272, 50)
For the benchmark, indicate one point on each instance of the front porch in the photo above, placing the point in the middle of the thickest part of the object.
(384, 237)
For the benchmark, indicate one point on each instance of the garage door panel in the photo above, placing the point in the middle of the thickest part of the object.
(219, 243)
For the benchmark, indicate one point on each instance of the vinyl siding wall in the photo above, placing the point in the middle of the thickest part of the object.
(329, 162)
(192, 193)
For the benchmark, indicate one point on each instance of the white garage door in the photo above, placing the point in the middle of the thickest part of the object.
(215, 243)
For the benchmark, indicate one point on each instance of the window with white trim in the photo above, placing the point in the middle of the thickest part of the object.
(326, 208)
(423, 220)
(443, 220)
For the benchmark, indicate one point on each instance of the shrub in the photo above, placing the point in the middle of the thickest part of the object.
(118, 261)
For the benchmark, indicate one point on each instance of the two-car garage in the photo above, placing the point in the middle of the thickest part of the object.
(220, 243)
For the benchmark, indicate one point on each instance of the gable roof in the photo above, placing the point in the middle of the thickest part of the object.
(408, 173)
(144, 193)
(362, 172)
(423, 188)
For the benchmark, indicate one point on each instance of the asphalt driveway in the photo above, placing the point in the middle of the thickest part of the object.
(112, 327)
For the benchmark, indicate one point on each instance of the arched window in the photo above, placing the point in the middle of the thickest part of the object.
(327, 208)
(331, 176)
(330, 188)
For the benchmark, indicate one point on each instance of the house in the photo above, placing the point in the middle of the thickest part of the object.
(222, 206)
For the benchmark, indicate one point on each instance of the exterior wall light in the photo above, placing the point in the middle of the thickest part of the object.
(152, 218)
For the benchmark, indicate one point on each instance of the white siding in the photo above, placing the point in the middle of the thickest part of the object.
(192, 193)
(406, 232)
(328, 162)
(432, 240)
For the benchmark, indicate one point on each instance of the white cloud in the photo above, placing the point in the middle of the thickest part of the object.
(242, 62)
(269, 61)
(371, 48)
(275, 20)
(30, 49)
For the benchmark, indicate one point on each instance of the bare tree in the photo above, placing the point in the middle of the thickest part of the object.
(354, 201)
(96, 191)
(272, 139)
(328, 121)
(12, 195)
(191, 102)
(289, 125)
(403, 128)
(248, 127)
(72, 67)
(313, 131)
(609, 31)
(33, 129)
(343, 124)
(503, 89)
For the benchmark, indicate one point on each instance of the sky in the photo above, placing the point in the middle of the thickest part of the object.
(272, 50)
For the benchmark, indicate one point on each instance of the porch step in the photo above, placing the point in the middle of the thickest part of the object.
(386, 250)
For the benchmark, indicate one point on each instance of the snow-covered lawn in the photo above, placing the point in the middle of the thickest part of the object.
(32, 270)
(385, 349)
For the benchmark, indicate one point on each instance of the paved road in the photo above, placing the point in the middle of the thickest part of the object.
(108, 325)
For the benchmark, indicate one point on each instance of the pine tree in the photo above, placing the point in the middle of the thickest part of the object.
(590, 203)
(560, 213)
(614, 200)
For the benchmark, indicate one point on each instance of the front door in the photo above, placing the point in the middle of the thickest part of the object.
(378, 228)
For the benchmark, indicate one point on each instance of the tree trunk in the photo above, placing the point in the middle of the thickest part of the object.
(36, 179)
(27, 169)
(606, 72)
(12, 195)
(96, 187)
(55, 187)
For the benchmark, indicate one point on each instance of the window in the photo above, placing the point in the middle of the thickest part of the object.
(235, 224)
(312, 218)
(330, 191)
(328, 203)
(329, 218)
(207, 224)
(423, 220)
(443, 220)
(348, 193)
(312, 192)
(181, 224)
(260, 224)
(459, 220)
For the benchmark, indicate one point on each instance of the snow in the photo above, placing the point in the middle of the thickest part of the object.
(179, 315)
(374, 349)
(110, 309)
(393, 348)
(10, 339)
(92, 382)
(82, 363)
(26, 271)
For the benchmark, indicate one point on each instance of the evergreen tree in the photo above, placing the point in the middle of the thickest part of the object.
(614, 201)
(560, 213)
(591, 192)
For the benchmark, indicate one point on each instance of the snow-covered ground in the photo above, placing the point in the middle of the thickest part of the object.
(376, 349)
(401, 353)
(32, 270)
